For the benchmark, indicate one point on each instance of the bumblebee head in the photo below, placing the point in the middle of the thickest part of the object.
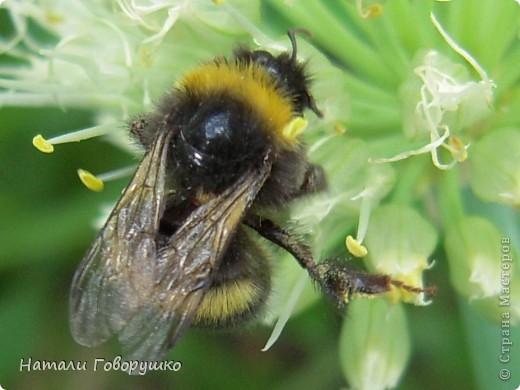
(288, 74)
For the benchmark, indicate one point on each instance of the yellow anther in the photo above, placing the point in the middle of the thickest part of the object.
(355, 248)
(339, 129)
(294, 128)
(90, 181)
(42, 144)
(374, 11)
(54, 18)
(146, 57)
(457, 148)
(370, 11)
(219, 2)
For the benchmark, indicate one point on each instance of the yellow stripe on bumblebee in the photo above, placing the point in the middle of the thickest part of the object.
(249, 84)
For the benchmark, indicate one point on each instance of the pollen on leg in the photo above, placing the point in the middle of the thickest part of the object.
(458, 150)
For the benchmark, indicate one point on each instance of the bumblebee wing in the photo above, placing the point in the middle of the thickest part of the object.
(185, 270)
(109, 284)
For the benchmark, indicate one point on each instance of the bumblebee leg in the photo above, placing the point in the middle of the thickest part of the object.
(334, 277)
(336, 285)
(290, 242)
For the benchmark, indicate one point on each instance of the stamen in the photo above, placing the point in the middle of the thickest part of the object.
(54, 18)
(287, 311)
(96, 182)
(173, 15)
(460, 51)
(39, 142)
(42, 144)
(117, 173)
(259, 37)
(354, 246)
(134, 13)
(294, 129)
(339, 129)
(440, 93)
(458, 150)
(90, 181)
(370, 11)
(428, 148)
(124, 42)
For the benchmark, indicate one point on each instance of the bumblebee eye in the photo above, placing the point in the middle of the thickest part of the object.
(262, 57)
(267, 61)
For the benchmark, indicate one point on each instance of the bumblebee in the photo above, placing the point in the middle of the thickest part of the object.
(179, 248)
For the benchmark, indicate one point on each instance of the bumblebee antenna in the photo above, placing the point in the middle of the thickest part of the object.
(292, 37)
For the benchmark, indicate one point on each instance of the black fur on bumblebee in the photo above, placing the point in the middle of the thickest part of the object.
(180, 247)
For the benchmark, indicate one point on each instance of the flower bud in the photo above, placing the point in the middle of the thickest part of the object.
(495, 167)
(480, 268)
(374, 344)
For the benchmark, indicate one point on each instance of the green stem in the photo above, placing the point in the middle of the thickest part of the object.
(410, 174)
(338, 39)
(450, 200)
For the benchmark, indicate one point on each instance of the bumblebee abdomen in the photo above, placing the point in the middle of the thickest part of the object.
(240, 288)
(230, 304)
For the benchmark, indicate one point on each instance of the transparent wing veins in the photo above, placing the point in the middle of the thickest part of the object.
(147, 295)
